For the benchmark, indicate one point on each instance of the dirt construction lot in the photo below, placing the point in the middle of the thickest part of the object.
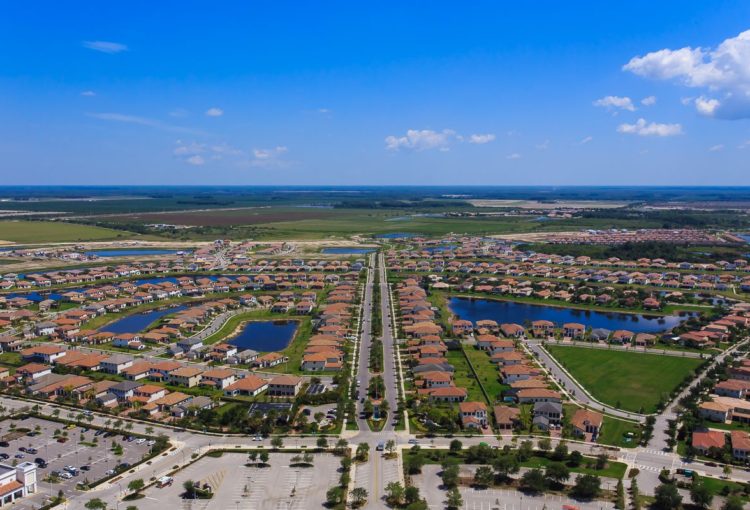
(237, 486)
(75, 452)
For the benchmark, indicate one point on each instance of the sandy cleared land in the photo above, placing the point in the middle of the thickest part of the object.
(560, 204)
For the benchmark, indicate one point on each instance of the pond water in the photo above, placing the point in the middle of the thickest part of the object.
(396, 235)
(265, 336)
(130, 253)
(347, 250)
(522, 313)
(138, 322)
(746, 237)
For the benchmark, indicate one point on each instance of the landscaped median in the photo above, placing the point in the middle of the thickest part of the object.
(631, 381)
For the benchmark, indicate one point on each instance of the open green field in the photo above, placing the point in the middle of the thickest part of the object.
(627, 380)
(56, 232)
(614, 430)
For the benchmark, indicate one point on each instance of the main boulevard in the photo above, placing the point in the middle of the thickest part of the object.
(378, 471)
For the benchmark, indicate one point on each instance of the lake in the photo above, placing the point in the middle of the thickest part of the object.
(396, 235)
(138, 322)
(522, 313)
(344, 250)
(265, 336)
(130, 253)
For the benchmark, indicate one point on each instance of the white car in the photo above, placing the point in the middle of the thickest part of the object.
(140, 440)
(66, 475)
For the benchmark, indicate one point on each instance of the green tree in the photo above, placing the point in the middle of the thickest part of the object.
(359, 496)
(277, 442)
(264, 457)
(557, 472)
(575, 458)
(96, 504)
(454, 501)
(484, 476)
(334, 495)
(411, 495)
(363, 451)
(394, 493)
(586, 487)
(455, 446)
(449, 476)
(533, 480)
(390, 446)
(525, 451)
(700, 495)
(136, 485)
(666, 497)
(506, 465)
(544, 444)
(322, 442)
(341, 446)
(733, 502)
(560, 452)
(189, 487)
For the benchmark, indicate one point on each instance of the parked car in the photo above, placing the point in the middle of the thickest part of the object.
(85, 468)
(40, 462)
(4, 456)
(32, 451)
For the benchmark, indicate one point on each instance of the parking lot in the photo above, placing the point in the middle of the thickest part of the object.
(237, 486)
(88, 456)
(429, 483)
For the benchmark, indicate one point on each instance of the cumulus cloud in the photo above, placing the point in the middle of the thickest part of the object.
(716, 148)
(744, 145)
(615, 102)
(105, 46)
(648, 101)
(214, 112)
(515, 155)
(481, 139)
(88, 93)
(723, 71)
(543, 146)
(421, 139)
(586, 140)
(644, 128)
(195, 160)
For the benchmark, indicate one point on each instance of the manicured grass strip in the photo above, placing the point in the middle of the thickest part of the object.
(626, 380)
(463, 376)
(614, 433)
(486, 372)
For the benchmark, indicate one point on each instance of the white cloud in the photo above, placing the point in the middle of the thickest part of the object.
(648, 101)
(586, 140)
(214, 112)
(724, 71)
(515, 155)
(419, 140)
(706, 106)
(716, 148)
(195, 160)
(543, 146)
(88, 93)
(615, 102)
(481, 139)
(643, 128)
(105, 46)
(744, 145)
(178, 112)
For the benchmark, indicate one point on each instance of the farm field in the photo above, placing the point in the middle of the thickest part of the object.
(627, 380)
(56, 232)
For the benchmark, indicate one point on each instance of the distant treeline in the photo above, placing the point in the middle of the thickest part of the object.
(633, 251)
(676, 218)
(402, 204)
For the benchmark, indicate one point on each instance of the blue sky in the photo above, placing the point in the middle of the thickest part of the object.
(380, 93)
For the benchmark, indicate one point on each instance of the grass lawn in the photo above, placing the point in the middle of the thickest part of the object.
(625, 379)
(56, 232)
(463, 376)
(614, 430)
(716, 485)
(486, 371)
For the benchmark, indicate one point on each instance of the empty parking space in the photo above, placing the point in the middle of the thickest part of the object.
(235, 485)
